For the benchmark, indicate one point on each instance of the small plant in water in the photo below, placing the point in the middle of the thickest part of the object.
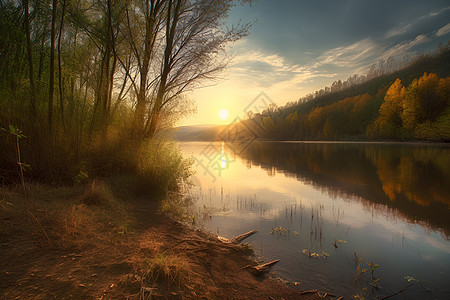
(364, 280)
(281, 231)
(375, 281)
(315, 254)
(337, 242)
(358, 269)
(411, 279)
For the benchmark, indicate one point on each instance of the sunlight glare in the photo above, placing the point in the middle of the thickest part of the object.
(223, 114)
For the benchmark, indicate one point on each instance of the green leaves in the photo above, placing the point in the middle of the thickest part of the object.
(16, 131)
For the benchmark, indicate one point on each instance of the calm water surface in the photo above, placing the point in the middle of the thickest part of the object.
(330, 211)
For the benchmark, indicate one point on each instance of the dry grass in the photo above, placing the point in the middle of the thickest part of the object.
(72, 217)
(169, 269)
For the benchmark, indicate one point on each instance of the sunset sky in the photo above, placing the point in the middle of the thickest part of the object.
(297, 47)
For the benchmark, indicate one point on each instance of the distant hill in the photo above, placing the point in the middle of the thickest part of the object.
(206, 132)
(438, 64)
(236, 132)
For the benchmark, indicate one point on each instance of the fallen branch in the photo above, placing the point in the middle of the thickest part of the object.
(260, 269)
(237, 238)
(242, 237)
(308, 292)
(401, 291)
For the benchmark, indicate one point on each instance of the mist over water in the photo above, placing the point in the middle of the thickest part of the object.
(334, 212)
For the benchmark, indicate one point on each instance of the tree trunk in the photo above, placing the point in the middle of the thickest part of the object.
(60, 83)
(52, 68)
(41, 59)
(30, 60)
(172, 21)
(114, 62)
(152, 11)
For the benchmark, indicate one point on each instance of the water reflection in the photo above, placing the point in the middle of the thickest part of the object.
(412, 179)
(317, 205)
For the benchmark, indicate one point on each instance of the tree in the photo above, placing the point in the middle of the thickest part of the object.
(193, 38)
(173, 45)
(316, 120)
(142, 43)
(426, 104)
(30, 59)
(52, 68)
(389, 121)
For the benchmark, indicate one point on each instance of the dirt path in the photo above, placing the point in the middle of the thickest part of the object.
(162, 258)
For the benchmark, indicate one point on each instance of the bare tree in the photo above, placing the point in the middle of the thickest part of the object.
(141, 30)
(194, 38)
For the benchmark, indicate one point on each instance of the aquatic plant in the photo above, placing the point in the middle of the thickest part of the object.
(364, 281)
(337, 242)
(324, 254)
(281, 231)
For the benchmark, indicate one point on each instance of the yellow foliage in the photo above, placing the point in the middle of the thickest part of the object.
(390, 110)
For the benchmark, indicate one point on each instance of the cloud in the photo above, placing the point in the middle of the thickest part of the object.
(268, 70)
(403, 47)
(350, 56)
(397, 31)
(435, 13)
(443, 30)
(414, 23)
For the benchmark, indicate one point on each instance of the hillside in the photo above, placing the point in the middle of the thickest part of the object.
(409, 104)
(439, 64)
(195, 133)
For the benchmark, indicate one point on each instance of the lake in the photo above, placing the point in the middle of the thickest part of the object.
(361, 219)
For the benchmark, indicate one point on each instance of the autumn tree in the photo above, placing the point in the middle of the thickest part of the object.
(424, 100)
(316, 120)
(389, 121)
(426, 107)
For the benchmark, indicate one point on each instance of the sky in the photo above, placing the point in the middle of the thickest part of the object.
(297, 47)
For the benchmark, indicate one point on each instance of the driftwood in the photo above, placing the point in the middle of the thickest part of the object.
(237, 238)
(308, 292)
(260, 269)
(242, 237)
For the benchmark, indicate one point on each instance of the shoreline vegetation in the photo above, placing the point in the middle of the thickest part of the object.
(103, 242)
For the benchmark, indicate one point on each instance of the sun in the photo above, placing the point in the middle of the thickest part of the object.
(223, 114)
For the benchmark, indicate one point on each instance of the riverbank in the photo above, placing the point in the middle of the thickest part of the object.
(91, 244)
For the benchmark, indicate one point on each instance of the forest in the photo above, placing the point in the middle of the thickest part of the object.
(88, 85)
(404, 104)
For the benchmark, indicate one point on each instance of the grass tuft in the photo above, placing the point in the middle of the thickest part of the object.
(164, 268)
